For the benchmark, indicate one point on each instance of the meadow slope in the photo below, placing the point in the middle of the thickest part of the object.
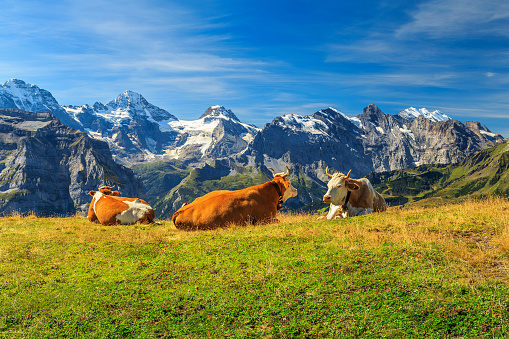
(420, 272)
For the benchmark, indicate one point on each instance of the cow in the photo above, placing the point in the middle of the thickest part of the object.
(108, 208)
(351, 197)
(253, 205)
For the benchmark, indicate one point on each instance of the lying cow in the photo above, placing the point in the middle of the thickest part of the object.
(256, 204)
(351, 197)
(108, 208)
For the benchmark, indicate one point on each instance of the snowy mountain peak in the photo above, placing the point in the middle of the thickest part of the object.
(302, 124)
(331, 111)
(17, 83)
(130, 105)
(16, 93)
(29, 97)
(218, 111)
(334, 113)
(128, 99)
(412, 113)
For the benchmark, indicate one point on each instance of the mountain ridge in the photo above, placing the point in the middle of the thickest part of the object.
(140, 133)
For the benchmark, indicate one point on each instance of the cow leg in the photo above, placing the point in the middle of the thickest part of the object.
(334, 211)
(365, 211)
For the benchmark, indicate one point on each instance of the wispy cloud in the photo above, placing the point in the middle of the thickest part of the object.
(458, 18)
(184, 56)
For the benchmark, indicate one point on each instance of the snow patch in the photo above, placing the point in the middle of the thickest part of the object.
(378, 128)
(356, 121)
(405, 130)
(413, 113)
(493, 135)
(307, 124)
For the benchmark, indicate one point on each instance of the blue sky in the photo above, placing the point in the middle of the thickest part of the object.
(266, 58)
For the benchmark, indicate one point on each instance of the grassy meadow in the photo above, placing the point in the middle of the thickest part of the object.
(417, 272)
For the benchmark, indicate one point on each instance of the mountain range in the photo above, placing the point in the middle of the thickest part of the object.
(224, 149)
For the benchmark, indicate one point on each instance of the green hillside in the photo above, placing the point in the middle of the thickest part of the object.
(160, 177)
(417, 272)
(480, 174)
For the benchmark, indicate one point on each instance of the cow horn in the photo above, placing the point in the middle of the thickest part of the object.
(273, 172)
(282, 175)
(287, 172)
(327, 172)
(348, 175)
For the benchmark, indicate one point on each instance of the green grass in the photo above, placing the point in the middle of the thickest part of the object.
(436, 272)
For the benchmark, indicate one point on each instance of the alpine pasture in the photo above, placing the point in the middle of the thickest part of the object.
(439, 271)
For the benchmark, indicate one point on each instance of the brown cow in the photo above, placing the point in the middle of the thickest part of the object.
(108, 208)
(351, 197)
(255, 205)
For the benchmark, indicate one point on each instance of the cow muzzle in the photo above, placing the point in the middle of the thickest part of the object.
(327, 199)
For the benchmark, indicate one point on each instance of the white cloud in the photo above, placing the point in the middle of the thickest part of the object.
(453, 18)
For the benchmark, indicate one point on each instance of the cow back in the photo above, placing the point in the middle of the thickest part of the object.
(379, 204)
(221, 208)
(363, 197)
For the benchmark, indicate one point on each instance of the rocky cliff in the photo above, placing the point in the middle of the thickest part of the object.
(48, 168)
(372, 141)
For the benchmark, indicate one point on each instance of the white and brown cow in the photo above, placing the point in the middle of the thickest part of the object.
(351, 197)
(108, 208)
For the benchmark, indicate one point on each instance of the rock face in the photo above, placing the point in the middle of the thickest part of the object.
(326, 138)
(48, 168)
(372, 141)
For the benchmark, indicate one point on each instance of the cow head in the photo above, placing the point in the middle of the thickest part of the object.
(107, 190)
(103, 190)
(280, 178)
(338, 187)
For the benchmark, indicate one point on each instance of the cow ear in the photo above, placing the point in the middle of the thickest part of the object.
(115, 193)
(352, 186)
(92, 193)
